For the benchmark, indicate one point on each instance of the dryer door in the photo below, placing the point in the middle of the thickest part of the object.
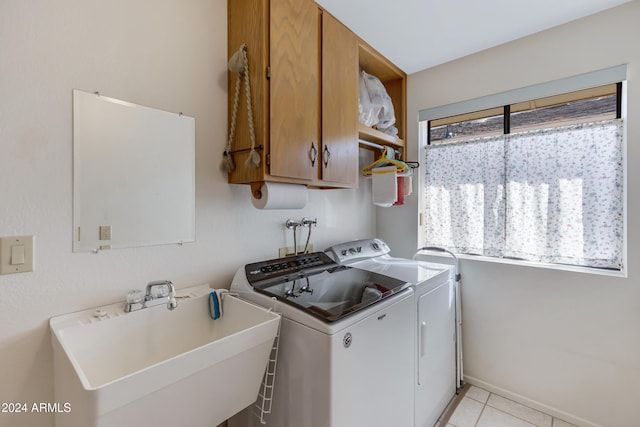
(436, 354)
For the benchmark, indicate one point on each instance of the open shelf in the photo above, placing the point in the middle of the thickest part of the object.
(394, 81)
(375, 136)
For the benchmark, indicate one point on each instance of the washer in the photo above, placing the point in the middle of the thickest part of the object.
(435, 378)
(345, 354)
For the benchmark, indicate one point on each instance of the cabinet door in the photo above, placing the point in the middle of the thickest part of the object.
(339, 103)
(295, 89)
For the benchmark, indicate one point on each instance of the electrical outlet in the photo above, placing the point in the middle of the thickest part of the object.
(105, 232)
(288, 251)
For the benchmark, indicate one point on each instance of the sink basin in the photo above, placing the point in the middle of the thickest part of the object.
(160, 367)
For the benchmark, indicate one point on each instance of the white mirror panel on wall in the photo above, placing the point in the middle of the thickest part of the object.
(133, 174)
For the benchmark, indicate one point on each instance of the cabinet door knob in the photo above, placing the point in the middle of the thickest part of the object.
(313, 154)
(326, 156)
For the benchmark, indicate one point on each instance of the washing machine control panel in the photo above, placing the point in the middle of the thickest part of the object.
(291, 266)
(358, 249)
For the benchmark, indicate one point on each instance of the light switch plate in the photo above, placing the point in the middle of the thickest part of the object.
(7, 245)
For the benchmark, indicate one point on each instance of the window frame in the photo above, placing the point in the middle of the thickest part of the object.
(506, 111)
(617, 75)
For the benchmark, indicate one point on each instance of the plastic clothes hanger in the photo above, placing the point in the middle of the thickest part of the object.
(386, 159)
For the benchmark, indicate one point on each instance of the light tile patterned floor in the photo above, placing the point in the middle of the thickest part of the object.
(480, 408)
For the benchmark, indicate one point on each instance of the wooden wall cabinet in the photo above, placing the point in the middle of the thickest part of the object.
(303, 66)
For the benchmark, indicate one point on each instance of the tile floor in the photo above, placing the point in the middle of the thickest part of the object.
(480, 408)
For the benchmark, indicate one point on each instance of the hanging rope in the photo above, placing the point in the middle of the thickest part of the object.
(240, 64)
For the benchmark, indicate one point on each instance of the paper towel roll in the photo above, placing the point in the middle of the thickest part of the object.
(276, 195)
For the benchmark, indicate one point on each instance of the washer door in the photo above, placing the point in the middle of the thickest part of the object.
(372, 367)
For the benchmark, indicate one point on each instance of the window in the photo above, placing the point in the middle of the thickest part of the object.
(582, 106)
(538, 180)
(473, 125)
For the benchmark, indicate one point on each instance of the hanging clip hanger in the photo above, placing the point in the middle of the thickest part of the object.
(387, 159)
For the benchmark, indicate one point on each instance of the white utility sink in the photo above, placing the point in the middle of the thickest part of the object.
(160, 367)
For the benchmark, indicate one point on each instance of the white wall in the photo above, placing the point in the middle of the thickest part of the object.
(167, 54)
(569, 342)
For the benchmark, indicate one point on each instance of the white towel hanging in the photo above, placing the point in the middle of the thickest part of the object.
(385, 186)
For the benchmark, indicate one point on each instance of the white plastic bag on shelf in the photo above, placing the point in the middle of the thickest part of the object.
(378, 111)
(391, 130)
(368, 112)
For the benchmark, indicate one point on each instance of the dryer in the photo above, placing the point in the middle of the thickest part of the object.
(435, 379)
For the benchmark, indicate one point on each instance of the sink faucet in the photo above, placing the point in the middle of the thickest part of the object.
(157, 292)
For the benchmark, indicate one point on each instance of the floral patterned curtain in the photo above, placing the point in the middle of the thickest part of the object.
(465, 196)
(553, 195)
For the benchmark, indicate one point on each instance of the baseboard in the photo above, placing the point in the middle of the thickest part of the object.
(555, 412)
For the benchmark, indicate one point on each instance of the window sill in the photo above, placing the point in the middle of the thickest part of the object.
(548, 266)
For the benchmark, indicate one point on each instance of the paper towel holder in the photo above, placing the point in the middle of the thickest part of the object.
(278, 195)
(256, 189)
